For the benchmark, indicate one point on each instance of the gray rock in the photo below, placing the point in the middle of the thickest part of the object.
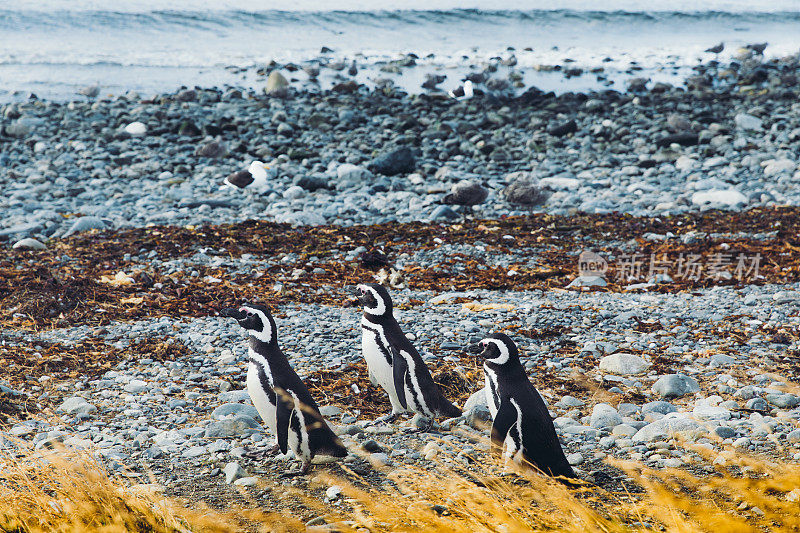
(313, 182)
(575, 459)
(277, 84)
(725, 432)
(232, 427)
(234, 396)
(213, 149)
(21, 229)
(604, 416)
(668, 426)
(476, 399)
(136, 386)
(587, 281)
(757, 404)
(246, 482)
(85, 224)
(747, 122)
(21, 127)
(675, 386)
(624, 364)
(235, 408)
(721, 360)
(329, 410)
(443, 212)
(29, 244)
(76, 405)
(398, 161)
(783, 400)
(708, 409)
(478, 417)
(794, 436)
(294, 192)
(567, 402)
(233, 472)
(658, 407)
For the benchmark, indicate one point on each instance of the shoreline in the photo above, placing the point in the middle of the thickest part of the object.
(730, 141)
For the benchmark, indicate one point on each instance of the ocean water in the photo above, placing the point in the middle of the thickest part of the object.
(53, 47)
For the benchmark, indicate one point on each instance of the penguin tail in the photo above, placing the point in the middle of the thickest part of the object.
(338, 450)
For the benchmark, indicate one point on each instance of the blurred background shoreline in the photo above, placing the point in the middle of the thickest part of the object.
(52, 48)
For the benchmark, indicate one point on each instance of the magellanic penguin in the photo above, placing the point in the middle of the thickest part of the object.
(393, 362)
(278, 393)
(522, 428)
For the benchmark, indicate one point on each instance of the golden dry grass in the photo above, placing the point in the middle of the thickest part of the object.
(68, 492)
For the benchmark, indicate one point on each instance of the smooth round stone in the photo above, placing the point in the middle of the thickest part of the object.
(604, 416)
(757, 404)
(725, 432)
(624, 430)
(231, 427)
(246, 482)
(235, 409)
(624, 364)
(29, 244)
(76, 405)
(675, 386)
(658, 407)
(136, 129)
(567, 402)
(575, 459)
(84, 224)
(294, 192)
(783, 400)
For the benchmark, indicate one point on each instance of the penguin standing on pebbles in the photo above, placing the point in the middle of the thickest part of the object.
(522, 428)
(394, 363)
(279, 395)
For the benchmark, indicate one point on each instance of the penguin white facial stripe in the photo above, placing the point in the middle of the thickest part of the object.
(504, 353)
(265, 335)
(380, 307)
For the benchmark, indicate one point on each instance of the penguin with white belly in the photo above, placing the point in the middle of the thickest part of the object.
(393, 362)
(279, 395)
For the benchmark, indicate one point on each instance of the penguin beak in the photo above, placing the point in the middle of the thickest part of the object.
(359, 295)
(475, 349)
(232, 313)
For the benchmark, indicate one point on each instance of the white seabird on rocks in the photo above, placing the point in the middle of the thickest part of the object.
(255, 177)
(465, 92)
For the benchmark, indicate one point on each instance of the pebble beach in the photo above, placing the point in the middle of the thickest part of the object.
(119, 244)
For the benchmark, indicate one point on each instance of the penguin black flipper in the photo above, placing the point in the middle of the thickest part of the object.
(399, 372)
(283, 412)
(503, 420)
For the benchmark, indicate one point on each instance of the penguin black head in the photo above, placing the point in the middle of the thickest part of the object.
(256, 319)
(499, 349)
(375, 299)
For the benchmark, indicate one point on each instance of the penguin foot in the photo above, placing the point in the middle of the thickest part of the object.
(303, 470)
(391, 417)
